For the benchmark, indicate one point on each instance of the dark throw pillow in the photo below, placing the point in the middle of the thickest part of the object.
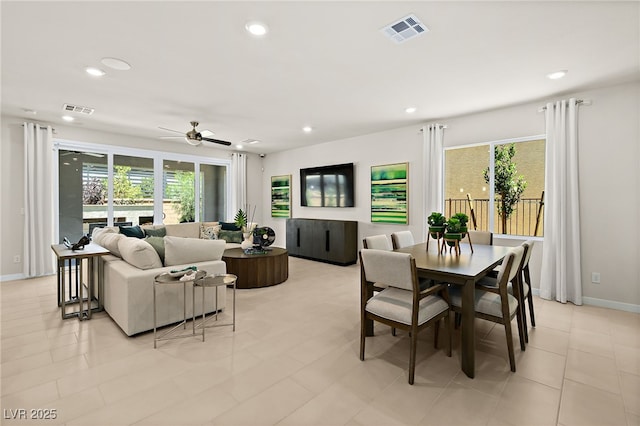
(132, 231)
(230, 236)
(229, 226)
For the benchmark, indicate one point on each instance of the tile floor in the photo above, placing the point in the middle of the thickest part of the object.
(293, 360)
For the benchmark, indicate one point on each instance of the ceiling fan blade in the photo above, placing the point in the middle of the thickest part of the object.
(170, 130)
(217, 141)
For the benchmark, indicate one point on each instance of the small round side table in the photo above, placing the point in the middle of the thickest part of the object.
(214, 281)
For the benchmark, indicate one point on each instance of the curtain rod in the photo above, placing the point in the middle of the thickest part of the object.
(578, 102)
(53, 129)
(442, 126)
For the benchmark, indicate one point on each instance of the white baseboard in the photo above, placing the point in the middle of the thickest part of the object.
(11, 277)
(602, 303)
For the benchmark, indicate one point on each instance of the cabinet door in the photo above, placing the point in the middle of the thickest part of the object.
(306, 235)
(292, 237)
(334, 242)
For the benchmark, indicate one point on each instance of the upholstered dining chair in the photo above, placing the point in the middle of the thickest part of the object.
(378, 242)
(526, 290)
(402, 239)
(478, 237)
(401, 305)
(493, 302)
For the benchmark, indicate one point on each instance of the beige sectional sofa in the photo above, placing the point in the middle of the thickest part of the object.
(130, 269)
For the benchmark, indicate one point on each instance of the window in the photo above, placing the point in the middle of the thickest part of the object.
(506, 198)
(105, 185)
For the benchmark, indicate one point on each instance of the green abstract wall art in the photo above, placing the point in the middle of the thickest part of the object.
(390, 193)
(281, 196)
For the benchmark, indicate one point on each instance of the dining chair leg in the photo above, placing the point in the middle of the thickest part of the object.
(393, 331)
(512, 357)
(531, 314)
(521, 330)
(447, 325)
(362, 337)
(412, 355)
(436, 330)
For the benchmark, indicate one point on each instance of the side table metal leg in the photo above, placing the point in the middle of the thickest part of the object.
(155, 322)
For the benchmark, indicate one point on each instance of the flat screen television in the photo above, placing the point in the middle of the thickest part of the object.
(327, 186)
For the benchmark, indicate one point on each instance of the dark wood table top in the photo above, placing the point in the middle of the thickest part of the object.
(240, 254)
(458, 268)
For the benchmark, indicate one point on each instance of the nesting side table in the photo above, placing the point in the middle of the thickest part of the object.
(167, 278)
(214, 281)
(69, 265)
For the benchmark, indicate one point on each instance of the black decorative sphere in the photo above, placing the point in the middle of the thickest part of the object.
(263, 236)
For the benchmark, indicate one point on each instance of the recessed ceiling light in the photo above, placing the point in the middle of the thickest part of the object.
(67, 118)
(410, 110)
(30, 111)
(256, 28)
(239, 146)
(307, 129)
(116, 64)
(251, 141)
(96, 72)
(557, 74)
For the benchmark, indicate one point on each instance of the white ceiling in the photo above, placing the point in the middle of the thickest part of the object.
(323, 64)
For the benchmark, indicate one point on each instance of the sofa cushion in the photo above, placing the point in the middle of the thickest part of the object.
(186, 230)
(139, 253)
(209, 232)
(180, 251)
(109, 240)
(132, 231)
(158, 245)
(159, 231)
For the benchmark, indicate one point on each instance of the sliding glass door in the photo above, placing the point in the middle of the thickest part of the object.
(106, 185)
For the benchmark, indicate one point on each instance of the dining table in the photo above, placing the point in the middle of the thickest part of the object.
(464, 269)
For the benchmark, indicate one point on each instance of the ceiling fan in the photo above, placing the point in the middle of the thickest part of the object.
(194, 137)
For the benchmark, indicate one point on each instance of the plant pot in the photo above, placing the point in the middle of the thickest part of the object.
(450, 237)
(463, 231)
(436, 231)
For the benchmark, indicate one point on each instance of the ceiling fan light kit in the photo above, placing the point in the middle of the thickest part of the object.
(194, 137)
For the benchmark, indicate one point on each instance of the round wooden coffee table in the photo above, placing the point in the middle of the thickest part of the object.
(257, 270)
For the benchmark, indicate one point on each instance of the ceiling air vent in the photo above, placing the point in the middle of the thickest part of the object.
(405, 29)
(78, 109)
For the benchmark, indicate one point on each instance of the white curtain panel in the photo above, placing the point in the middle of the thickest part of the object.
(560, 277)
(38, 201)
(433, 153)
(239, 183)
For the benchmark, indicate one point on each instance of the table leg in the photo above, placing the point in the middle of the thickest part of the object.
(90, 282)
(468, 329)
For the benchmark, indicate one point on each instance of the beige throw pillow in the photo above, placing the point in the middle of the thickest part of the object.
(109, 240)
(139, 253)
(182, 251)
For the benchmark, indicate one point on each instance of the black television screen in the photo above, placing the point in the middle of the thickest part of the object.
(327, 186)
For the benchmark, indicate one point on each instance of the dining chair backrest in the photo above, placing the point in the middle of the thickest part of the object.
(529, 250)
(510, 268)
(479, 237)
(378, 242)
(389, 267)
(402, 239)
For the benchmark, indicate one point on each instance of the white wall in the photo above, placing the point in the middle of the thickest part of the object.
(396, 146)
(609, 132)
(12, 179)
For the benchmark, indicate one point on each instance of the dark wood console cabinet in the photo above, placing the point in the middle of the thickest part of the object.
(333, 241)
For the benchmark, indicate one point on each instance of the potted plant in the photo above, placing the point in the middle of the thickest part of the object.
(463, 218)
(241, 220)
(436, 223)
(453, 232)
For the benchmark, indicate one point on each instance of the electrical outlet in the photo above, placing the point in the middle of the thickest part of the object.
(595, 277)
(16, 258)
